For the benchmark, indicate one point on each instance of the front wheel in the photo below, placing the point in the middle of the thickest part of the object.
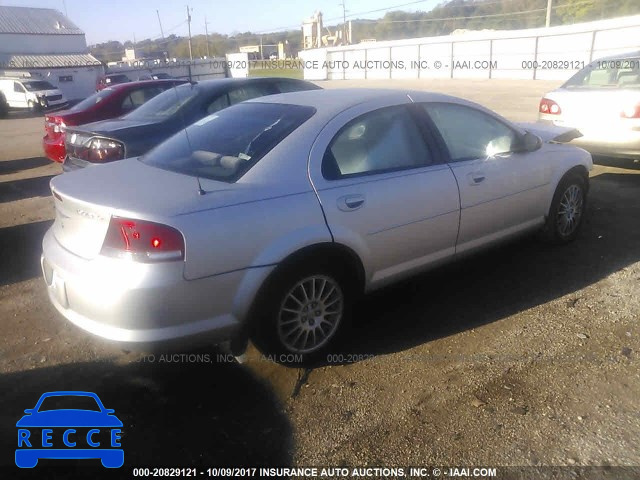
(567, 210)
(305, 311)
(34, 107)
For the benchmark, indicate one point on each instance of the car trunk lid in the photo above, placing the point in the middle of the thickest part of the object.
(86, 200)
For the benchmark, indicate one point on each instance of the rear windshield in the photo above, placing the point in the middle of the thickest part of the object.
(166, 104)
(116, 79)
(92, 100)
(603, 74)
(39, 85)
(225, 145)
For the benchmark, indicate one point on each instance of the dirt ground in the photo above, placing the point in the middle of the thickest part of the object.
(522, 356)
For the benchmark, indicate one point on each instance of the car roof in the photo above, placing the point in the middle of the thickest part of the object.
(223, 82)
(334, 101)
(137, 83)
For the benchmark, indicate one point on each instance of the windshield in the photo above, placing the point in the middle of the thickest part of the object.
(92, 100)
(166, 104)
(225, 145)
(38, 85)
(601, 74)
(69, 402)
(117, 79)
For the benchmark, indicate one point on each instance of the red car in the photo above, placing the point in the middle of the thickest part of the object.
(110, 102)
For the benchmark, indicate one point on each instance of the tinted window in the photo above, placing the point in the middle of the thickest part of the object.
(139, 96)
(240, 94)
(92, 100)
(39, 85)
(165, 104)
(470, 133)
(225, 145)
(621, 73)
(218, 104)
(387, 139)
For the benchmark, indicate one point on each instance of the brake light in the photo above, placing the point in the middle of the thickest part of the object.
(142, 241)
(549, 107)
(631, 112)
(54, 124)
(104, 150)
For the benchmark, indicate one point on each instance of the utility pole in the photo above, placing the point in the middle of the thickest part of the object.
(344, 23)
(189, 23)
(206, 34)
(548, 22)
(160, 23)
(64, 4)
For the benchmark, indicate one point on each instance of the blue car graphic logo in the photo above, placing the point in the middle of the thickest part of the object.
(53, 430)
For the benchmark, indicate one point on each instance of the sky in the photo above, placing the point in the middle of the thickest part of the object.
(104, 20)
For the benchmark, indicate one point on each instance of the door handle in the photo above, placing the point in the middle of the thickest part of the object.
(349, 203)
(476, 178)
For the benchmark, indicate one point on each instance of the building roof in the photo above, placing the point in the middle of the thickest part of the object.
(30, 62)
(36, 21)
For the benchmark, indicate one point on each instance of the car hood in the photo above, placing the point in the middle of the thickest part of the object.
(551, 133)
(69, 418)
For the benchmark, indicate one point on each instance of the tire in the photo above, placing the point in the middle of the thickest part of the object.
(34, 107)
(4, 107)
(287, 327)
(567, 211)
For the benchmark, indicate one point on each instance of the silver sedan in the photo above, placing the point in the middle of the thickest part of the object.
(602, 101)
(269, 218)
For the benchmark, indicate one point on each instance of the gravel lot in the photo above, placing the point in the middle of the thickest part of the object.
(526, 355)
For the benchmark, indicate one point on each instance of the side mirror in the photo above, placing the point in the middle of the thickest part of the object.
(530, 142)
(29, 411)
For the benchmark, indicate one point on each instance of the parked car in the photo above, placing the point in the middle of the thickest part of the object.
(110, 102)
(603, 102)
(136, 133)
(32, 94)
(111, 79)
(270, 217)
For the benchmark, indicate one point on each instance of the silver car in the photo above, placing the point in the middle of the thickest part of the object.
(269, 218)
(602, 101)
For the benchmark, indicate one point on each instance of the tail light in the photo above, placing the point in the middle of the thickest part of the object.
(54, 124)
(142, 241)
(631, 112)
(95, 149)
(548, 106)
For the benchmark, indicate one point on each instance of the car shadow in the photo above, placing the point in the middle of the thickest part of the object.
(503, 281)
(25, 188)
(197, 411)
(21, 246)
(14, 166)
(617, 162)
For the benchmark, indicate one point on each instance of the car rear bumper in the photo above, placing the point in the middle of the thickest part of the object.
(70, 164)
(54, 149)
(599, 141)
(137, 304)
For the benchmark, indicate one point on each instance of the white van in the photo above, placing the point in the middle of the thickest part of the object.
(31, 93)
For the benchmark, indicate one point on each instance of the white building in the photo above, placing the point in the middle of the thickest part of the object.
(48, 45)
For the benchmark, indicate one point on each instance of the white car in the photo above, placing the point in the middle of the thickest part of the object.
(270, 217)
(35, 95)
(602, 101)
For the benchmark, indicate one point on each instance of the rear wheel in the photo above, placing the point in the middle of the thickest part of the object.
(304, 312)
(4, 107)
(567, 210)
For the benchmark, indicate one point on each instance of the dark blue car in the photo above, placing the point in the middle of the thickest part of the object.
(52, 429)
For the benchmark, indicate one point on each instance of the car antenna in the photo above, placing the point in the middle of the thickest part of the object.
(200, 190)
